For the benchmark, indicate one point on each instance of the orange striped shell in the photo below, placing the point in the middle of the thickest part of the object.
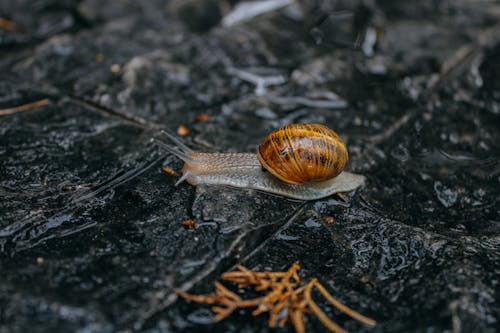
(300, 153)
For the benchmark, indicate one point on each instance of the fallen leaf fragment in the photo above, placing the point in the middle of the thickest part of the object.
(182, 130)
(202, 117)
(8, 25)
(170, 171)
(329, 219)
(99, 57)
(189, 224)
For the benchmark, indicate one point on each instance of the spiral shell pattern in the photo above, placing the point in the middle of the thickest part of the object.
(300, 153)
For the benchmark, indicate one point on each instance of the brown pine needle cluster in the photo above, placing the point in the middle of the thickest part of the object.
(286, 299)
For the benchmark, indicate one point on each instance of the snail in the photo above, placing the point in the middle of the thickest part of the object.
(299, 161)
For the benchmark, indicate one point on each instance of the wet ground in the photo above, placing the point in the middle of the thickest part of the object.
(91, 238)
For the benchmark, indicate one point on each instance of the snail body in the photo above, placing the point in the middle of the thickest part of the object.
(301, 161)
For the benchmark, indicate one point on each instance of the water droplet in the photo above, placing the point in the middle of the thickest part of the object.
(311, 223)
(201, 316)
(317, 36)
(229, 230)
(445, 195)
(285, 237)
(401, 153)
(190, 266)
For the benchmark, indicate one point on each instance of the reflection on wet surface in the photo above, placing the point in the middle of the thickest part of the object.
(91, 233)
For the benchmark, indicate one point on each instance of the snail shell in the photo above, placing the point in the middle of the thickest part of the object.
(300, 153)
(319, 148)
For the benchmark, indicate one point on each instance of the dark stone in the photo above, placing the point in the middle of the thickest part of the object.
(91, 234)
(198, 15)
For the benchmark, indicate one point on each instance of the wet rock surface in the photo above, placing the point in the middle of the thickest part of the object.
(90, 226)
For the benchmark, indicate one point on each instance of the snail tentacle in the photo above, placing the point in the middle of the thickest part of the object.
(177, 142)
(179, 149)
(185, 175)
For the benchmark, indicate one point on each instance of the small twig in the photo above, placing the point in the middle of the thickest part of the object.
(403, 120)
(24, 107)
(260, 82)
(245, 11)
